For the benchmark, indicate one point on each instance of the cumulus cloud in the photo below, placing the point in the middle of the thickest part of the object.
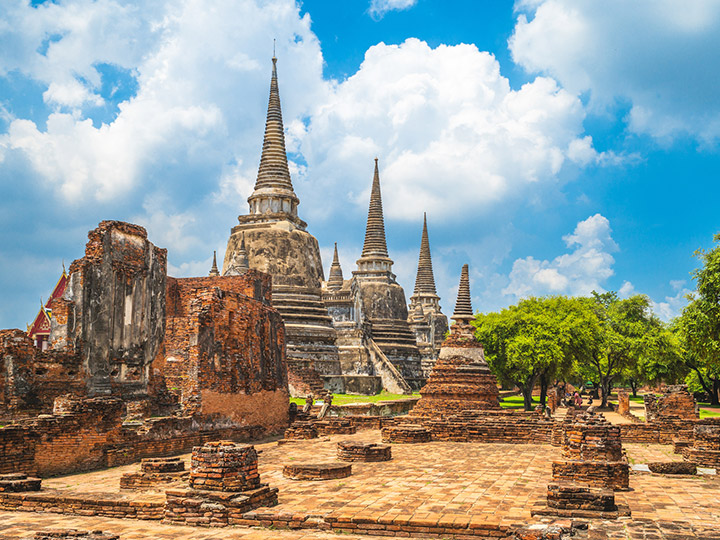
(579, 272)
(196, 66)
(673, 305)
(452, 136)
(657, 55)
(378, 8)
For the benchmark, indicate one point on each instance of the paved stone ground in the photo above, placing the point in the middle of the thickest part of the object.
(497, 483)
(16, 525)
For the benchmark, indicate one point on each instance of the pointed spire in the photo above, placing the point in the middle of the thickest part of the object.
(375, 244)
(463, 307)
(273, 171)
(214, 270)
(425, 280)
(273, 189)
(335, 279)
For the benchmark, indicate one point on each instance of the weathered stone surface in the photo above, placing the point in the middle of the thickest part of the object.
(317, 471)
(672, 467)
(359, 451)
(117, 304)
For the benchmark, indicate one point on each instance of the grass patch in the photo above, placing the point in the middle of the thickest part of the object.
(344, 399)
(704, 413)
(515, 402)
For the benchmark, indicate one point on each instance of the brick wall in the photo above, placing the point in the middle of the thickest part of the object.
(224, 350)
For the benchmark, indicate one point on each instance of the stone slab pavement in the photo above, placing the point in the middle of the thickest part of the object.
(494, 483)
(17, 525)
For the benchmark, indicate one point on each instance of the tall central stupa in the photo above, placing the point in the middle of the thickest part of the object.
(272, 238)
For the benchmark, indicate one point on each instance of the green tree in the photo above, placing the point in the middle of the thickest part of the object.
(699, 324)
(535, 341)
(660, 359)
(626, 327)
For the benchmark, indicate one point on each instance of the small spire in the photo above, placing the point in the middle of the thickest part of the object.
(63, 267)
(463, 307)
(425, 280)
(375, 243)
(335, 279)
(214, 270)
(239, 263)
(242, 257)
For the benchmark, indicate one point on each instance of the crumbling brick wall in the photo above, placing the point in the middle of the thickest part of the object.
(677, 404)
(224, 350)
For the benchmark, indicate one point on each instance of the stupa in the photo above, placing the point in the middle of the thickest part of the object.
(273, 239)
(461, 379)
(426, 318)
(382, 299)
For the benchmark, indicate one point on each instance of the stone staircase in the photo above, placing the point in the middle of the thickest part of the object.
(309, 334)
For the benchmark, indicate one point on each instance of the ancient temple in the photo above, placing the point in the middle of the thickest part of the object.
(272, 238)
(426, 318)
(461, 379)
(39, 330)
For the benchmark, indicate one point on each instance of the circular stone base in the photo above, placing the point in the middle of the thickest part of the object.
(359, 451)
(317, 471)
(405, 434)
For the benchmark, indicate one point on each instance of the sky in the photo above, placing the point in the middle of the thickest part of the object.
(557, 146)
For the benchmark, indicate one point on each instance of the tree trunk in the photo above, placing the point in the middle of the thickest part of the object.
(706, 386)
(527, 396)
(527, 388)
(544, 381)
(606, 388)
(715, 395)
(634, 386)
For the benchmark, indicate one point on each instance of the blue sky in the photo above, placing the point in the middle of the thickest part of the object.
(558, 146)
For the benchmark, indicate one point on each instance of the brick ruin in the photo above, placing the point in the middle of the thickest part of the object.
(317, 471)
(223, 352)
(677, 404)
(155, 472)
(460, 379)
(128, 342)
(224, 484)
(705, 449)
(106, 329)
(593, 467)
(359, 451)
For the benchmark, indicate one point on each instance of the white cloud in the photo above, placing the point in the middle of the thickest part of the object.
(578, 272)
(453, 138)
(378, 8)
(673, 305)
(658, 55)
(626, 290)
